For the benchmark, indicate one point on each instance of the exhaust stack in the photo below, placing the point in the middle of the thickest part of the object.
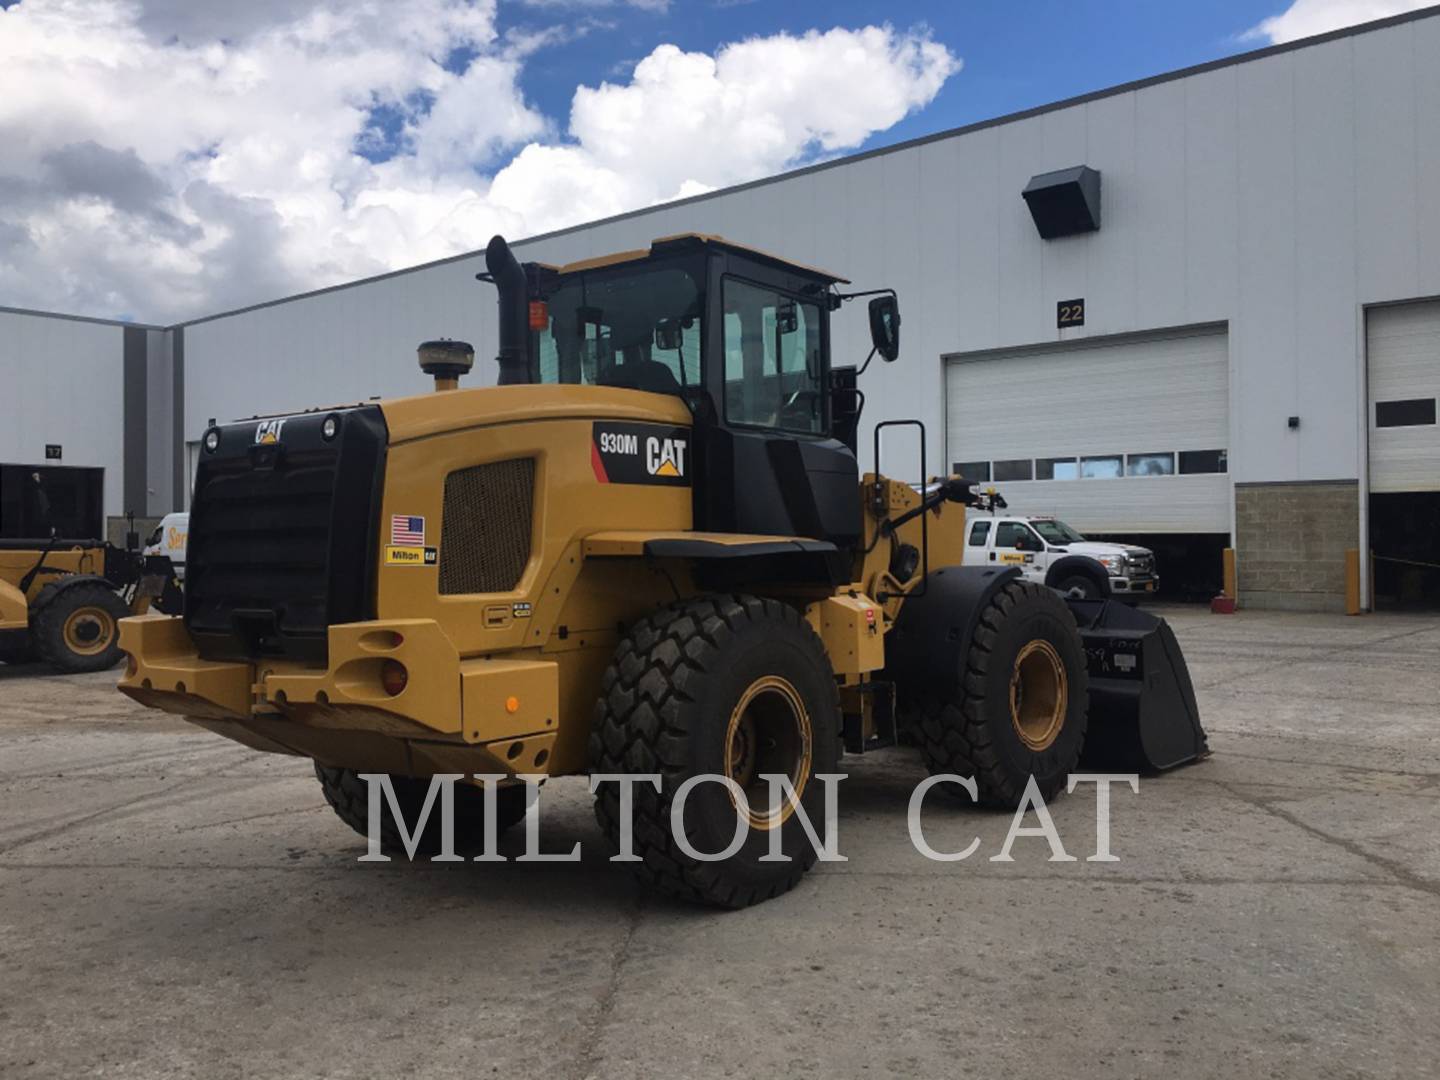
(511, 284)
(446, 360)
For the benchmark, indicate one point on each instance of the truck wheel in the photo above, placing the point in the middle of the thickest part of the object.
(1021, 707)
(349, 797)
(732, 686)
(1079, 587)
(77, 628)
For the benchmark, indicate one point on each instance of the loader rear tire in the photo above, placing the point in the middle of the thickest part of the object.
(77, 627)
(1021, 706)
(349, 796)
(734, 686)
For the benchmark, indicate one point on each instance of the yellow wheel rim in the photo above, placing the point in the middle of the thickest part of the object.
(769, 734)
(88, 631)
(1039, 695)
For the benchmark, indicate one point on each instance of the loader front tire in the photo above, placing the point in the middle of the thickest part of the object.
(1020, 709)
(735, 686)
(77, 627)
(349, 796)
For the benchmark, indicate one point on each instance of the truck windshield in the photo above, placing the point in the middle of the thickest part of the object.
(639, 329)
(1057, 532)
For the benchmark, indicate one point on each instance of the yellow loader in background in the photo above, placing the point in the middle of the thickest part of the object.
(649, 550)
(61, 601)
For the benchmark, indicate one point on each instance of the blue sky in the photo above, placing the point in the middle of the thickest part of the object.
(1016, 55)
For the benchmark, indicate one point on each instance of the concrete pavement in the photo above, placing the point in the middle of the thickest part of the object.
(173, 905)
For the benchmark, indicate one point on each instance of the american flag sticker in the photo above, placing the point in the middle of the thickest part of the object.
(407, 531)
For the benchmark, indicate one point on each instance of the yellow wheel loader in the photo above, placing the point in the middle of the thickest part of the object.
(648, 551)
(61, 601)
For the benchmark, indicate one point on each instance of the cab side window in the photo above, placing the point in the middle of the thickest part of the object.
(1007, 532)
(773, 360)
(979, 533)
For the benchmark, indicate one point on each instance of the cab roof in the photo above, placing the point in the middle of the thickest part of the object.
(668, 245)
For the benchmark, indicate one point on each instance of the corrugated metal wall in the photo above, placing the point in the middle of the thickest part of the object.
(62, 382)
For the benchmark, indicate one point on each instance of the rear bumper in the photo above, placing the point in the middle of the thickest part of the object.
(453, 715)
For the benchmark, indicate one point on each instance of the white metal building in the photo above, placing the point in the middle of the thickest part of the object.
(1256, 366)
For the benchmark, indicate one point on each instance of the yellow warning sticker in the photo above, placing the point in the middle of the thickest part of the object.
(410, 556)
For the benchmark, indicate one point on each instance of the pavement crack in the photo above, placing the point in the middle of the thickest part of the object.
(589, 1058)
(1396, 869)
(1313, 658)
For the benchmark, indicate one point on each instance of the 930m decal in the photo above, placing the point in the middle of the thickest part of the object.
(640, 453)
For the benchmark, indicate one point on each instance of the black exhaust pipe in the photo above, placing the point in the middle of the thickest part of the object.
(510, 282)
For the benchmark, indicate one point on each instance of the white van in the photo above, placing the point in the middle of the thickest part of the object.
(168, 539)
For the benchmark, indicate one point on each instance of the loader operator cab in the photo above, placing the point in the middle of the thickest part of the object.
(741, 336)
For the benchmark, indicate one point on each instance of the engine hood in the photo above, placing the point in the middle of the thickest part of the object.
(455, 410)
(1097, 548)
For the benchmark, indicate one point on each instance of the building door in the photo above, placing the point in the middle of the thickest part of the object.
(1123, 438)
(1403, 376)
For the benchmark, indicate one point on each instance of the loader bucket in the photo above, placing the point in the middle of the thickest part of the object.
(1143, 714)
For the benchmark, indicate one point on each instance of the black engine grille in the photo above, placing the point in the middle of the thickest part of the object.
(486, 528)
(282, 536)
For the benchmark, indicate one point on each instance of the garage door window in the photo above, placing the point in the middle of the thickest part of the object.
(1414, 412)
(1150, 465)
(1202, 461)
(1016, 469)
(1056, 468)
(976, 471)
(1099, 468)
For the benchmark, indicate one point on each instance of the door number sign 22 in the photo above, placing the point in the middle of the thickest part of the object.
(1070, 313)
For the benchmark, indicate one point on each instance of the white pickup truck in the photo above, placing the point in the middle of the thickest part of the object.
(1049, 552)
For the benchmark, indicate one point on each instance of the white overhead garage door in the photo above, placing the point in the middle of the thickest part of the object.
(1403, 359)
(1114, 435)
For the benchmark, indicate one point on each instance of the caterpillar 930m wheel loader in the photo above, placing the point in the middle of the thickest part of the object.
(649, 550)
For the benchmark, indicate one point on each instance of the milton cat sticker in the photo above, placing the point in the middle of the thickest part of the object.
(640, 454)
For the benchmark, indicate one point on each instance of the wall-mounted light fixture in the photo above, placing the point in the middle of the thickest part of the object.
(1064, 202)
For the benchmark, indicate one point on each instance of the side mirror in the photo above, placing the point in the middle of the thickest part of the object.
(1026, 543)
(787, 321)
(668, 335)
(885, 326)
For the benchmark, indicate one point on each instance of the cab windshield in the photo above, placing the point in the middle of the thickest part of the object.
(1057, 532)
(639, 329)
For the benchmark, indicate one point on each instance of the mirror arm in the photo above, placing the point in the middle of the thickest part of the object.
(836, 298)
(866, 364)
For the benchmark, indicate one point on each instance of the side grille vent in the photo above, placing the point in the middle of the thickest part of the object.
(485, 534)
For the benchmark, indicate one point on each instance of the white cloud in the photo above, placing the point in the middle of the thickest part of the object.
(1305, 18)
(170, 159)
(642, 5)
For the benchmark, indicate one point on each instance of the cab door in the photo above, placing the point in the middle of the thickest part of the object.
(1018, 545)
(977, 543)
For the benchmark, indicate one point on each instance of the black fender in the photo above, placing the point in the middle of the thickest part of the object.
(1060, 569)
(927, 645)
(779, 561)
(53, 589)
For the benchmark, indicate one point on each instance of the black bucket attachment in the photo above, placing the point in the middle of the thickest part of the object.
(1142, 705)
